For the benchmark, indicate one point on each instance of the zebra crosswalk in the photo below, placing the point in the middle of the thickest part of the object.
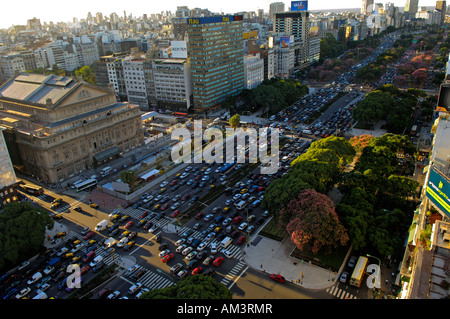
(149, 279)
(340, 293)
(233, 273)
(235, 251)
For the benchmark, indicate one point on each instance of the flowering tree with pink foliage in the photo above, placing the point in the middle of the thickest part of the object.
(311, 220)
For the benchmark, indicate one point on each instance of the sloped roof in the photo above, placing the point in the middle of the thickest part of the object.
(37, 88)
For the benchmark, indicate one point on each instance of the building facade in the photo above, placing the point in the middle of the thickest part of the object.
(217, 59)
(63, 127)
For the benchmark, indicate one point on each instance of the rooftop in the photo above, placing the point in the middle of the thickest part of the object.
(37, 88)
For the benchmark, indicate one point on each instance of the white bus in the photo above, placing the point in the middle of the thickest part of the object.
(86, 185)
(106, 171)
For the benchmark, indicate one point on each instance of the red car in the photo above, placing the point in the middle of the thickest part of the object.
(218, 261)
(199, 215)
(127, 204)
(278, 278)
(167, 257)
(237, 219)
(198, 177)
(197, 270)
(88, 235)
(143, 215)
(129, 224)
(165, 206)
(173, 183)
(240, 240)
(175, 213)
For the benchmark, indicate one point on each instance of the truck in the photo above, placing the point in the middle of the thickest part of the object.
(55, 262)
(110, 242)
(226, 242)
(41, 295)
(102, 225)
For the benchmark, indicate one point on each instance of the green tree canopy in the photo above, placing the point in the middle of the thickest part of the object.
(22, 232)
(192, 287)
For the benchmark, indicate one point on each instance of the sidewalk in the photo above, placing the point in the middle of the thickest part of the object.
(272, 257)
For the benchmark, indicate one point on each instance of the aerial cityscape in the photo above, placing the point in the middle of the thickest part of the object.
(237, 151)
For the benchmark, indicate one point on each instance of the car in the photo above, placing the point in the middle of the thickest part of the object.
(140, 293)
(139, 273)
(208, 217)
(218, 261)
(208, 260)
(241, 239)
(148, 224)
(277, 277)
(94, 205)
(197, 226)
(227, 253)
(131, 269)
(351, 262)
(199, 215)
(250, 228)
(180, 248)
(23, 265)
(176, 268)
(182, 273)
(163, 184)
(154, 228)
(129, 224)
(202, 246)
(23, 293)
(175, 213)
(78, 209)
(344, 277)
(191, 255)
(167, 257)
(113, 295)
(173, 183)
(226, 221)
(164, 252)
(243, 226)
(197, 270)
(143, 215)
(213, 248)
(180, 241)
(186, 251)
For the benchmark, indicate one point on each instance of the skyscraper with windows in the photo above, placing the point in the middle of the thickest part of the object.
(411, 8)
(216, 54)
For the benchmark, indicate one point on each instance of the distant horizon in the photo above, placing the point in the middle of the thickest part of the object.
(29, 9)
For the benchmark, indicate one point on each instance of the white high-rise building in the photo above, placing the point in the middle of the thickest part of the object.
(253, 71)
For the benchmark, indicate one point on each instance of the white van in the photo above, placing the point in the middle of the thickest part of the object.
(105, 171)
(96, 261)
(102, 225)
(34, 278)
(226, 242)
(241, 205)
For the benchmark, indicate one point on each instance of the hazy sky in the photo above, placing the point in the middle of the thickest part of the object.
(17, 13)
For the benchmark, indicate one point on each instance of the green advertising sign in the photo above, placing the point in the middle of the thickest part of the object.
(438, 191)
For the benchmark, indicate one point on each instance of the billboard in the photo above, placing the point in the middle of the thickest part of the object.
(438, 191)
(299, 5)
(214, 19)
(179, 49)
(284, 42)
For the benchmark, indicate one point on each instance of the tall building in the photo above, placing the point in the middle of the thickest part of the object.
(366, 7)
(217, 59)
(441, 6)
(411, 8)
(274, 8)
(8, 179)
(296, 24)
(62, 127)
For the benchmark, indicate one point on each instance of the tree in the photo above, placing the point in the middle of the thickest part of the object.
(235, 121)
(311, 219)
(128, 176)
(192, 287)
(22, 232)
(87, 73)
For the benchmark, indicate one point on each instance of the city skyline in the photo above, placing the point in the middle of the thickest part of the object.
(43, 10)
